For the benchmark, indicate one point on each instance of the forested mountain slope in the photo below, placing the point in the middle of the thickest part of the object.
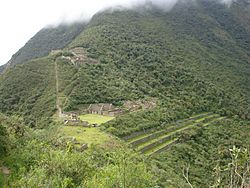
(241, 10)
(194, 57)
(192, 60)
(187, 38)
(28, 90)
(1, 68)
(45, 40)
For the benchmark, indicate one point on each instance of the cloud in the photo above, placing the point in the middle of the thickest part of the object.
(83, 10)
(20, 20)
(227, 2)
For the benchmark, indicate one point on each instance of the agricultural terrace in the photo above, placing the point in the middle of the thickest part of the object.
(156, 140)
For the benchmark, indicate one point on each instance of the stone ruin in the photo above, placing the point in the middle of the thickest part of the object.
(76, 56)
(74, 120)
(109, 109)
(105, 109)
(140, 105)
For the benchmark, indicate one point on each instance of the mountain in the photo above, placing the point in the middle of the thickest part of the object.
(192, 59)
(241, 10)
(1, 68)
(45, 40)
(197, 53)
(30, 88)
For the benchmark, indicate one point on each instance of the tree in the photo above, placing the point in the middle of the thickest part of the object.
(3, 138)
(235, 173)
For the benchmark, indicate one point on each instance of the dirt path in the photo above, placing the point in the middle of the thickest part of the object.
(59, 109)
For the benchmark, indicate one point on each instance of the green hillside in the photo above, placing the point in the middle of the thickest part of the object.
(193, 60)
(28, 90)
(1, 68)
(152, 43)
(45, 40)
(183, 57)
(207, 154)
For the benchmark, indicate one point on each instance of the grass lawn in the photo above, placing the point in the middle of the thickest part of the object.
(95, 118)
(86, 135)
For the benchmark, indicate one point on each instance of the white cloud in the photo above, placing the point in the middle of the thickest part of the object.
(227, 2)
(21, 19)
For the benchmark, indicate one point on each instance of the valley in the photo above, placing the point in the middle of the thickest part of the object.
(133, 98)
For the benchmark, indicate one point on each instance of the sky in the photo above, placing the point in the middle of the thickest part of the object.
(22, 19)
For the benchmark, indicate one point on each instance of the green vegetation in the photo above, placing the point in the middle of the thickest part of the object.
(2, 67)
(152, 70)
(47, 39)
(147, 53)
(202, 151)
(238, 169)
(28, 90)
(95, 118)
(90, 136)
(3, 137)
(154, 141)
(41, 158)
(193, 59)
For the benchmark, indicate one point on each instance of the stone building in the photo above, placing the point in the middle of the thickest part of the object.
(105, 109)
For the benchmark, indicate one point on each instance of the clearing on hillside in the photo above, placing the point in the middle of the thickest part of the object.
(95, 118)
(86, 135)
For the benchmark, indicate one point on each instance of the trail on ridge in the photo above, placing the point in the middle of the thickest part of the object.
(59, 109)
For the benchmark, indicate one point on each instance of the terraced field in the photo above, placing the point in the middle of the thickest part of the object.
(157, 140)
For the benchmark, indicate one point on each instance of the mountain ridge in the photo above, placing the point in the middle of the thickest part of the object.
(192, 64)
(47, 39)
(188, 40)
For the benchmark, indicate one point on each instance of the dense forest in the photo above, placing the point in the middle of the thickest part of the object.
(27, 89)
(192, 59)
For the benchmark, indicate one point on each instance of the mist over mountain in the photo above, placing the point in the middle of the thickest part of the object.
(154, 94)
(57, 37)
(24, 54)
(46, 40)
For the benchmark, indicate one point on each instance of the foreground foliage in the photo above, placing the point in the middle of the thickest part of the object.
(207, 156)
(192, 59)
(38, 159)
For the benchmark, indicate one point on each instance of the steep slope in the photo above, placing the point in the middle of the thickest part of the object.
(204, 153)
(28, 90)
(241, 10)
(45, 40)
(187, 38)
(190, 58)
(1, 69)
(185, 33)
